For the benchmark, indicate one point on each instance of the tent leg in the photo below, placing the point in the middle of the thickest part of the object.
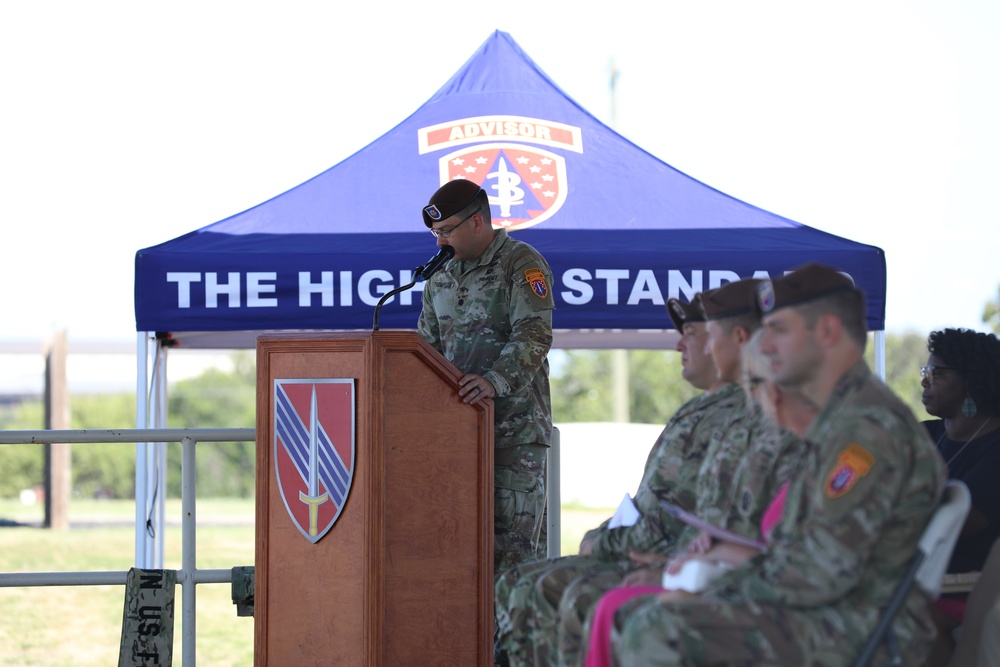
(880, 354)
(142, 391)
(150, 458)
(552, 494)
(158, 507)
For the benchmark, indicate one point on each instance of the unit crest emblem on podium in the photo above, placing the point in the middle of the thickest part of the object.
(314, 450)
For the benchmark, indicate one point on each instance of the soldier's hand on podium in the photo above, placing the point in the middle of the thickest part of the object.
(473, 388)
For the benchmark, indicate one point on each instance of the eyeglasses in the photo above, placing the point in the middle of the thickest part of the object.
(445, 233)
(930, 371)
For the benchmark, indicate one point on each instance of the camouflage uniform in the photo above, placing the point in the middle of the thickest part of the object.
(671, 473)
(849, 531)
(532, 592)
(492, 316)
(744, 467)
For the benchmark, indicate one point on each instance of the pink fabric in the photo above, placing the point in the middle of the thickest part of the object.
(953, 607)
(599, 649)
(773, 512)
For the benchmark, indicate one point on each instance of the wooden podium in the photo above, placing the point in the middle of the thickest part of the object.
(404, 576)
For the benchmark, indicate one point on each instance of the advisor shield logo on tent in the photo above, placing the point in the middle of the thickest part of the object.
(526, 185)
(314, 450)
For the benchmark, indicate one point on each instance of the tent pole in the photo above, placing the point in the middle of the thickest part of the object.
(150, 458)
(141, 421)
(880, 354)
(157, 511)
(553, 498)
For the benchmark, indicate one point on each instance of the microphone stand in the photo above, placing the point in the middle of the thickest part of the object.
(416, 276)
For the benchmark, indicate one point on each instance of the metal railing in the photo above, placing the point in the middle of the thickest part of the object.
(188, 575)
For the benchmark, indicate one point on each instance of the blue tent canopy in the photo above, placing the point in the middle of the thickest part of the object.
(622, 230)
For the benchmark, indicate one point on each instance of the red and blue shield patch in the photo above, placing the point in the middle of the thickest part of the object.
(314, 450)
(536, 279)
(526, 185)
(853, 463)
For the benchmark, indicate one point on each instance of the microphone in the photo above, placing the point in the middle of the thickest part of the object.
(426, 271)
(436, 262)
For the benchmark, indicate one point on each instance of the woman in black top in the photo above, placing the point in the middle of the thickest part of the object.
(961, 386)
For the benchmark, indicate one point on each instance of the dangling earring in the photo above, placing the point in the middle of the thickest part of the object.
(969, 407)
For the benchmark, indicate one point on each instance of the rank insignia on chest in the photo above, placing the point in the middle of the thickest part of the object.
(536, 279)
(852, 464)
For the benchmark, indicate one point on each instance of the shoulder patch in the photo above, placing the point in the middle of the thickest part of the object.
(852, 464)
(536, 279)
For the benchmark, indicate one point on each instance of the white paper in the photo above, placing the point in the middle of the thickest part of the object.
(714, 531)
(694, 577)
(626, 514)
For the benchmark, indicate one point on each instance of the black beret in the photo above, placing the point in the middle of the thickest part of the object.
(730, 300)
(805, 283)
(681, 312)
(449, 199)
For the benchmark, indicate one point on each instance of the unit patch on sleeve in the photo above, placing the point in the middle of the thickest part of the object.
(536, 279)
(852, 464)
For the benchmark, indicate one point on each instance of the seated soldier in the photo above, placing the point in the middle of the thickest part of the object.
(670, 472)
(851, 523)
(748, 460)
(786, 409)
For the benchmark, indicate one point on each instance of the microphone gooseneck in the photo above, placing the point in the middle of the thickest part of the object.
(426, 271)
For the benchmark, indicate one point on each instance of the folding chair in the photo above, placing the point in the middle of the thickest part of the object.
(982, 598)
(926, 570)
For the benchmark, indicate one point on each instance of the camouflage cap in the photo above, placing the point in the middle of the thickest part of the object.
(730, 300)
(681, 312)
(805, 283)
(449, 199)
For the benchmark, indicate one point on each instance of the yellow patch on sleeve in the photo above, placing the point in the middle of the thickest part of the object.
(536, 279)
(852, 464)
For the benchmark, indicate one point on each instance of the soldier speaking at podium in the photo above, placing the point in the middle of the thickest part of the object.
(489, 312)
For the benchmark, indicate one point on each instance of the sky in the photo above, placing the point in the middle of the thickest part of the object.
(126, 124)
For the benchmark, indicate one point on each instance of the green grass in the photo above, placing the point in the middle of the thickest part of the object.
(577, 520)
(81, 625)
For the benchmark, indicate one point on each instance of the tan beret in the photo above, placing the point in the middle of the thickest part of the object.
(805, 283)
(449, 199)
(681, 312)
(730, 300)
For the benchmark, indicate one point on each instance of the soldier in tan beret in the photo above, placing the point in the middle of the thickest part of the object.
(745, 463)
(732, 481)
(489, 312)
(851, 523)
(527, 595)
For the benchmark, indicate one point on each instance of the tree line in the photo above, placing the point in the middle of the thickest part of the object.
(214, 399)
(581, 392)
